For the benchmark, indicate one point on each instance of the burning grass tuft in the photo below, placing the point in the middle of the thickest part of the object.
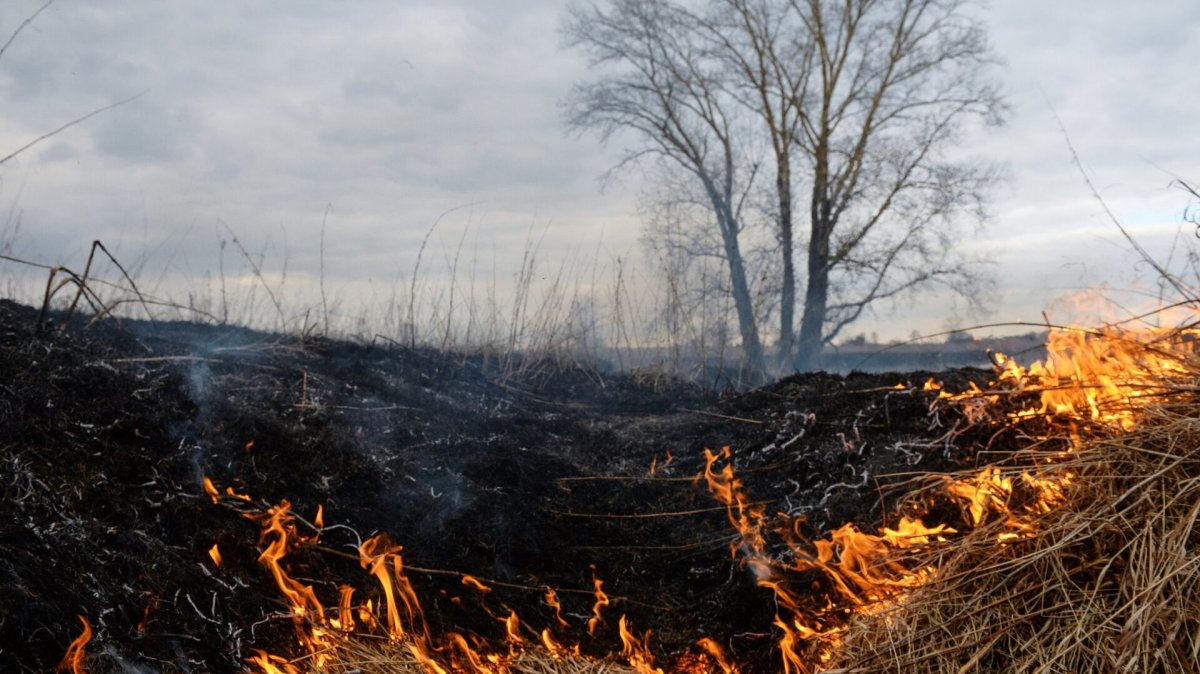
(1107, 581)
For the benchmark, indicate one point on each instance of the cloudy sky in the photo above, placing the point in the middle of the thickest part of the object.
(254, 117)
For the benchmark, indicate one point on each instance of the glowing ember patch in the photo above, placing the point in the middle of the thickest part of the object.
(215, 553)
(72, 660)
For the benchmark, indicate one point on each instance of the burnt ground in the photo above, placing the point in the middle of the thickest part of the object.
(525, 478)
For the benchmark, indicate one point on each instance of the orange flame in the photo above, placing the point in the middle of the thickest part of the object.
(552, 601)
(72, 660)
(474, 583)
(857, 564)
(601, 601)
(345, 619)
(211, 490)
(512, 626)
(233, 494)
(635, 650)
(306, 609)
(273, 664)
(215, 553)
(717, 653)
(1103, 375)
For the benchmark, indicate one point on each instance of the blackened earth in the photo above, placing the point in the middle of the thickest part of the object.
(524, 474)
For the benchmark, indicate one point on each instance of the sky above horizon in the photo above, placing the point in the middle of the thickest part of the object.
(255, 118)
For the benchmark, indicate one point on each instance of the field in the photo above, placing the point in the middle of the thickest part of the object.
(209, 498)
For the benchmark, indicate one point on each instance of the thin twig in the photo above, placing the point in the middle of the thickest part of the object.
(22, 27)
(70, 124)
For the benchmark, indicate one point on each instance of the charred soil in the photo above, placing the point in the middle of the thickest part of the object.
(539, 474)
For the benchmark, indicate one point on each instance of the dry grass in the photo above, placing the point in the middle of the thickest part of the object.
(383, 656)
(1109, 581)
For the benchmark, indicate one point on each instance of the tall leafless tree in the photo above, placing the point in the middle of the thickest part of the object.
(769, 64)
(895, 81)
(661, 85)
(860, 103)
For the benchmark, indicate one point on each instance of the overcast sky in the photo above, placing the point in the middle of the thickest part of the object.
(260, 114)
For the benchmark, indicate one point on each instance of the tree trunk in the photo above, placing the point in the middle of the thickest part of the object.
(816, 295)
(744, 304)
(742, 301)
(787, 294)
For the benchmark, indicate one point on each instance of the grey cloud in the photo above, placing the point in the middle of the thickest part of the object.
(147, 132)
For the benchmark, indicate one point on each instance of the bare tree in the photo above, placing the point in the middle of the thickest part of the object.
(665, 88)
(769, 61)
(860, 103)
(894, 83)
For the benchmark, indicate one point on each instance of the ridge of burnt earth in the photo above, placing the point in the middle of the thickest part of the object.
(524, 480)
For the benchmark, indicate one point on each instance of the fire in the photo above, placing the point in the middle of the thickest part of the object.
(512, 627)
(473, 583)
(601, 601)
(211, 490)
(215, 553)
(551, 599)
(635, 651)
(345, 619)
(72, 661)
(1104, 376)
(858, 566)
(714, 650)
(273, 664)
(1090, 377)
(987, 492)
(308, 614)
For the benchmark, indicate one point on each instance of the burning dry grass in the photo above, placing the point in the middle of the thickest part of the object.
(382, 656)
(1081, 554)
(1106, 581)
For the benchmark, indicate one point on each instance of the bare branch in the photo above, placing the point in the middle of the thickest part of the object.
(24, 24)
(70, 124)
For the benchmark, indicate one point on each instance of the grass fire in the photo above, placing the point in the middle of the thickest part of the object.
(322, 350)
(1035, 517)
